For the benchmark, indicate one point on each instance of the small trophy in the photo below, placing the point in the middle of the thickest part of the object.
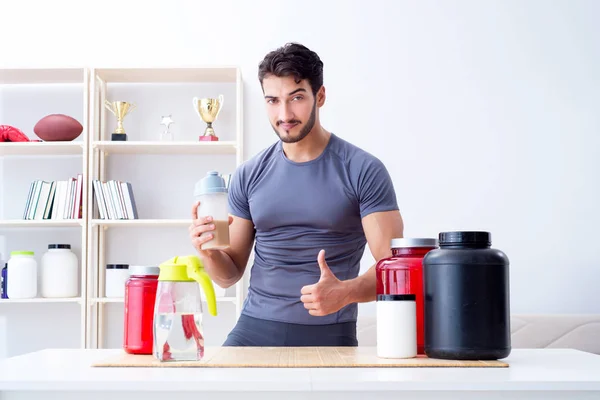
(208, 109)
(166, 135)
(120, 109)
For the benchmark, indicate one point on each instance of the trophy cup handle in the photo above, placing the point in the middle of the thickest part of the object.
(195, 104)
(131, 107)
(221, 102)
(109, 106)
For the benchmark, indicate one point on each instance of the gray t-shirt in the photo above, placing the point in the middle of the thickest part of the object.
(297, 210)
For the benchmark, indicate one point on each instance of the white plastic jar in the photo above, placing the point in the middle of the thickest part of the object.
(396, 326)
(60, 272)
(116, 278)
(23, 273)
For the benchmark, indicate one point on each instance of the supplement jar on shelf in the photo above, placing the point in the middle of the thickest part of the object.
(59, 272)
(22, 274)
(116, 276)
(467, 308)
(402, 274)
(140, 296)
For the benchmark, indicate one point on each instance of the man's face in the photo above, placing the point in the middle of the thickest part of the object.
(291, 107)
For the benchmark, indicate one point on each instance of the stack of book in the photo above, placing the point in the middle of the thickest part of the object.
(115, 199)
(54, 199)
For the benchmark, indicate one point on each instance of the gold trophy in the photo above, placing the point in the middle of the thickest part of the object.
(120, 109)
(208, 109)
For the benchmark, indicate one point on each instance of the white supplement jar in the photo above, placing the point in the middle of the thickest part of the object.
(116, 278)
(60, 272)
(396, 326)
(23, 273)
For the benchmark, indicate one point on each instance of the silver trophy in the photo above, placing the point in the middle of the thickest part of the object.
(166, 135)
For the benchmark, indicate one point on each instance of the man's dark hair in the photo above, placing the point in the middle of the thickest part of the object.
(295, 60)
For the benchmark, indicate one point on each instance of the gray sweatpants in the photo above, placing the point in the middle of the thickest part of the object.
(251, 331)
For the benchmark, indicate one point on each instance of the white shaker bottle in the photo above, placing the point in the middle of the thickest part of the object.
(396, 326)
(212, 194)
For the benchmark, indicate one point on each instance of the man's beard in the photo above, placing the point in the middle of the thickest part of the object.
(303, 132)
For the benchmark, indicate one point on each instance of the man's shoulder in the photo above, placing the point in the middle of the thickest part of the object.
(257, 161)
(353, 155)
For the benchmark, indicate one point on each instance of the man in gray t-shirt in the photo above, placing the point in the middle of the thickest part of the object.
(310, 203)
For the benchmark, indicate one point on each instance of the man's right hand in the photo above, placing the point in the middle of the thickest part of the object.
(201, 230)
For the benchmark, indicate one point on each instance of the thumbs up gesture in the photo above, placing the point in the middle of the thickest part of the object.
(326, 296)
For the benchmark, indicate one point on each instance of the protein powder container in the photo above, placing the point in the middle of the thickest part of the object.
(396, 326)
(467, 307)
(116, 277)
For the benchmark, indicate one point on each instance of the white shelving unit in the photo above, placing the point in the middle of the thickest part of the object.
(136, 223)
(42, 223)
(226, 299)
(24, 82)
(181, 148)
(43, 300)
(146, 87)
(40, 148)
(154, 88)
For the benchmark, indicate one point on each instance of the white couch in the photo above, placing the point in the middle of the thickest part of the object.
(580, 332)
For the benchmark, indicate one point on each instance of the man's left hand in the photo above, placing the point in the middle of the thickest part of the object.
(326, 296)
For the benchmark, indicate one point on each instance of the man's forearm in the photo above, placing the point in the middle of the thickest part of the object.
(363, 288)
(221, 268)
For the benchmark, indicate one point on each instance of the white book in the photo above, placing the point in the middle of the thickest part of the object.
(34, 200)
(28, 203)
(108, 199)
(78, 197)
(50, 202)
(129, 200)
(117, 199)
(61, 197)
(99, 199)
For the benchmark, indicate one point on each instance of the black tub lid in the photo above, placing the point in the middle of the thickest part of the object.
(396, 297)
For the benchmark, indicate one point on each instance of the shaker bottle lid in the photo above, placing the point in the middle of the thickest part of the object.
(465, 237)
(59, 246)
(211, 183)
(21, 253)
(144, 270)
(413, 242)
(396, 297)
(117, 266)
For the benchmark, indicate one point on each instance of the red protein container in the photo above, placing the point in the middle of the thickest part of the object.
(403, 274)
(140, 296)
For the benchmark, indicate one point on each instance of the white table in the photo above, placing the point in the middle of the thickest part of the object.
(533, 374)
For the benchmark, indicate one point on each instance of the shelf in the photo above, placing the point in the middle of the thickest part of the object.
(40, 223)
(41, 148)
(104, 300)
(167, 75)
(43, 300)
(132, 223)
(41, 75)
(133, 147)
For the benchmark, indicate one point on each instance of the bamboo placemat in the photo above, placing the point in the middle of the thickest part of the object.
(291, 357)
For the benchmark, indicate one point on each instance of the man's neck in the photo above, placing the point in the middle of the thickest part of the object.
(308, 148)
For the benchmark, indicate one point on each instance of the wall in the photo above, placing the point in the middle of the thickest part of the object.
(485, 113)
